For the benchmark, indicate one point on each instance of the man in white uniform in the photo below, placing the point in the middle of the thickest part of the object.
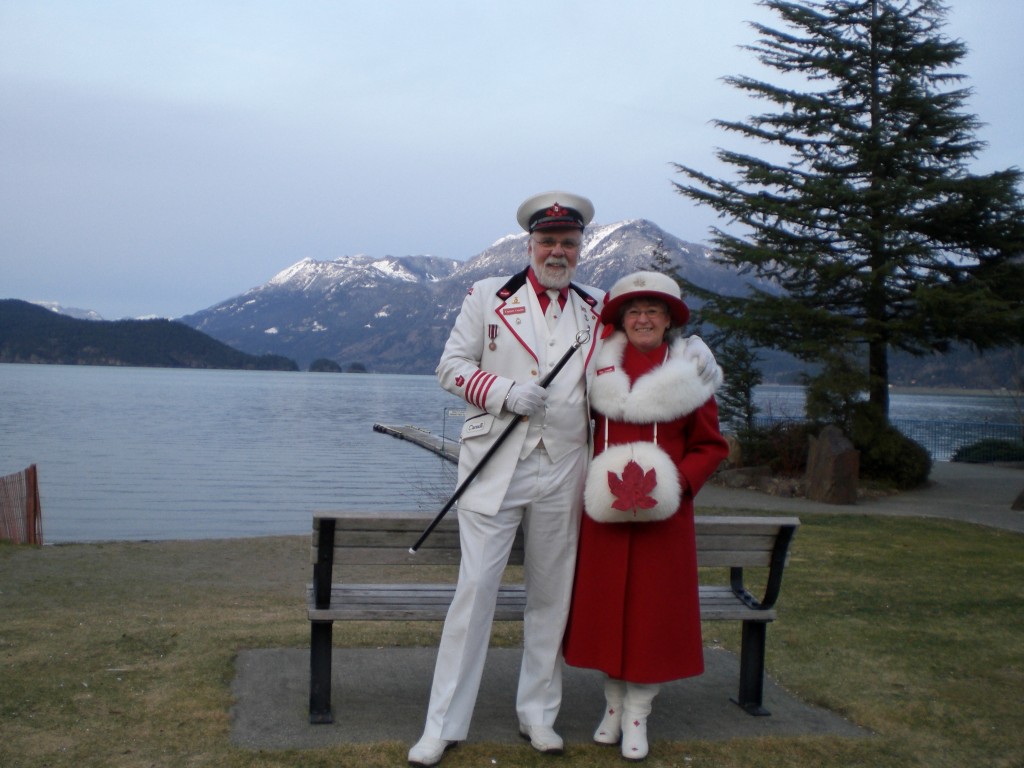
(510, 333)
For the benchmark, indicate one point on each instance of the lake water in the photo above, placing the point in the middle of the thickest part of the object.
(150, 453)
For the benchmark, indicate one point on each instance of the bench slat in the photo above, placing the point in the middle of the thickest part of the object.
(751, 542)
(386, 541)
(381, 556)
(398, 555)
(391, 539)
(409, 602)
(428, 556)
(429, 602)
(403, 521)
(732, 524)
(721, 541)
(732, 558)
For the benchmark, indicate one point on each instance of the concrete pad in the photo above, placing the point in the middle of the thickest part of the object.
(381, 695)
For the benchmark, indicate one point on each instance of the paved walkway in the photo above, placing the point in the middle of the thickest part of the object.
(381, 694)
(974, 493)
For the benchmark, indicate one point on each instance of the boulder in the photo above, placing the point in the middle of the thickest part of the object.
(735, 458)
(833, 466)
(743, 477)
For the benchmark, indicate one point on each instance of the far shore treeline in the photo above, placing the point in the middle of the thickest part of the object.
(33, 334)
(30, 333)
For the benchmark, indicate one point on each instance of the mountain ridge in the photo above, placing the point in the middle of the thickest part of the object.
(33, 334)
(393, 314)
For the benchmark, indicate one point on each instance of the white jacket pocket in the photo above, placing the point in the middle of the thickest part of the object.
(475, 426)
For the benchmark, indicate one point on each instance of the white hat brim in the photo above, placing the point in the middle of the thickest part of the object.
(545, 200)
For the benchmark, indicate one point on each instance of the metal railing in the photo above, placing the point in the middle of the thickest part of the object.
(451, 432)
(942, 439)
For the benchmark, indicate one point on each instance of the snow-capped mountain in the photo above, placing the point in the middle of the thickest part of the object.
(75, 312)
(393, 315)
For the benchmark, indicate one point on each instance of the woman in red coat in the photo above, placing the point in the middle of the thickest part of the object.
(635, 611)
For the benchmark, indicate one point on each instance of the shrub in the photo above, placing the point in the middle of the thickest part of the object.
(990, 450)
(781, 447)
(887, 455)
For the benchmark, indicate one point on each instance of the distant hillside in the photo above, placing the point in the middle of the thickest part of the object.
(33, 334)
(393, 314)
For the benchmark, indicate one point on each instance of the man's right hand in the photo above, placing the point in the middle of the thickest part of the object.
(526, 399)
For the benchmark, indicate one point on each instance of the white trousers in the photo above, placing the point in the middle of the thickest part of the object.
(546, 498)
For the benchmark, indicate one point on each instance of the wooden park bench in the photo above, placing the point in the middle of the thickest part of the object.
(383, 541)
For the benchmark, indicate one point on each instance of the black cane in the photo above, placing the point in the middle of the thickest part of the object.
(581, 338)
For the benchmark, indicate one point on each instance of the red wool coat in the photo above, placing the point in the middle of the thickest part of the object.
(635, 610)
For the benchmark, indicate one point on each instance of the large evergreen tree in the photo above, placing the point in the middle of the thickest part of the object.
(872, 227)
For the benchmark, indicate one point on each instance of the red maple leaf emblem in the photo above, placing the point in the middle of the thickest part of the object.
(632, 490)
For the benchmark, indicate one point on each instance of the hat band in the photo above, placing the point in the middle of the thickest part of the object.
(556, 216)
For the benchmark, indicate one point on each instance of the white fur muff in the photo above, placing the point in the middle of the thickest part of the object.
(598, 497)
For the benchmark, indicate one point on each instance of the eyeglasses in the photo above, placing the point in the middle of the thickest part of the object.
(650, 313)
(549, 243)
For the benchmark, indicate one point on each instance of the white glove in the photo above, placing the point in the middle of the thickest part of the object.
(526, 399)
(699, 352)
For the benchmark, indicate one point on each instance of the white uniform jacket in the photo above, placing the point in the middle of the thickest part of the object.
(501, 337)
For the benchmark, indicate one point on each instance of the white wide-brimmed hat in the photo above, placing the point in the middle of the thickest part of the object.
(647, 285)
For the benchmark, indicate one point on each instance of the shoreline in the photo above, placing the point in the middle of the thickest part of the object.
(953, 391)
(902, 389)
(922, 389)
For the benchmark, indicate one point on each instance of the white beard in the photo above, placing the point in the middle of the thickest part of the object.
(554, 278)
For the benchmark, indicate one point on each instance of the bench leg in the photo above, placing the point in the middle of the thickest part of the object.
(751, 695)
(320, 644)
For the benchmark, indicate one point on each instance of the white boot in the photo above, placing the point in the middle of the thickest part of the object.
(610, 729)
(635, 709)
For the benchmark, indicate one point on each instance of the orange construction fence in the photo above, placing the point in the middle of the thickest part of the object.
(21, 515)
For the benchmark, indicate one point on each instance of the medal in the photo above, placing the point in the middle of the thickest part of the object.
(492, 334)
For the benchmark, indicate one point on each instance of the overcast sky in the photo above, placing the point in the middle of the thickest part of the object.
(159, 157)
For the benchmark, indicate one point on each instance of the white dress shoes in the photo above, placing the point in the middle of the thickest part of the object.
(428, 751)
(543, 738)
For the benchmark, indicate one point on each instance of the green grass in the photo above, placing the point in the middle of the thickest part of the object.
(122, 654)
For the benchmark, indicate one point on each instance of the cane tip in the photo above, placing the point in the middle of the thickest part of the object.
(412, 550)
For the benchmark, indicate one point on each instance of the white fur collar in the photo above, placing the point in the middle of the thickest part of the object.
(668, 392)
